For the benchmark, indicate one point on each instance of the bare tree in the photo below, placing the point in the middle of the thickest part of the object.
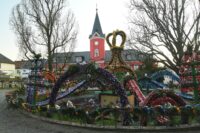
(44, 24)
(165, 28)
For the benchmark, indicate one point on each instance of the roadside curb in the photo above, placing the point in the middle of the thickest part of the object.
(194, 127)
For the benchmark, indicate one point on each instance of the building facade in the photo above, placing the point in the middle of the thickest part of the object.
(97, 52)
(97, 43)
(23, 68)
(7, 67)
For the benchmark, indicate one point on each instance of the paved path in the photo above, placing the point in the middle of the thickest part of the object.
(11, 121)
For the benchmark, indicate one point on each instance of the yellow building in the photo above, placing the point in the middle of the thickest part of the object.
(7, 66)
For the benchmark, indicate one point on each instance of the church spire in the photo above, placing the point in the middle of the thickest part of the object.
(97, 26)
(96, 8)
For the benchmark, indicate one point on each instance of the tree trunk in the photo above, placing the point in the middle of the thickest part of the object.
(161, 27)
(50, 57)
(50, 63)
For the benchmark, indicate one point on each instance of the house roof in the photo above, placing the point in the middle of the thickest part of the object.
(71, 57)
(127, 55)
(26, 64)
(97, 27)
(18, 64)
(4, 59)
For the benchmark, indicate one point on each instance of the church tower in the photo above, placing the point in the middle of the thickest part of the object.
(97, 41)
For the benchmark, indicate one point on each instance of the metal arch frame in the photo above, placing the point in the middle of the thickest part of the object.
(78, 70)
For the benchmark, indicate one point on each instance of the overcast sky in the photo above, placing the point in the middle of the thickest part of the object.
(112, 13)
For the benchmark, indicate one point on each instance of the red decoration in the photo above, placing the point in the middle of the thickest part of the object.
(163, 100)
(185, 71)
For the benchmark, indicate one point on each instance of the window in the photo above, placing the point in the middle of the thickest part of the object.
(136, 67)
(54, 60)
(128, 57)
(18, 71)
(96, 43)
(96, 52)
(79, 59)
(141, 56)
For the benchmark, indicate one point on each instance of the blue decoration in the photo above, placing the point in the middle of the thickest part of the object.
(149, 83)
(167, 72)
(36, 85)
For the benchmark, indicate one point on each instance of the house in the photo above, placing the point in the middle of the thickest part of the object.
(131, 57)
(7, 66)
(23, 68)
(97, 52)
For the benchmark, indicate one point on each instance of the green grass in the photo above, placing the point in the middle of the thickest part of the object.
(61, 117)
(106, 122)
(175, 120)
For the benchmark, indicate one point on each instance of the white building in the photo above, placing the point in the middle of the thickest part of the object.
(23, 68)
(7, 66)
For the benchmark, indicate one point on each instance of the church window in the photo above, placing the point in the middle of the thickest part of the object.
(96, 43)
(96, 52)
